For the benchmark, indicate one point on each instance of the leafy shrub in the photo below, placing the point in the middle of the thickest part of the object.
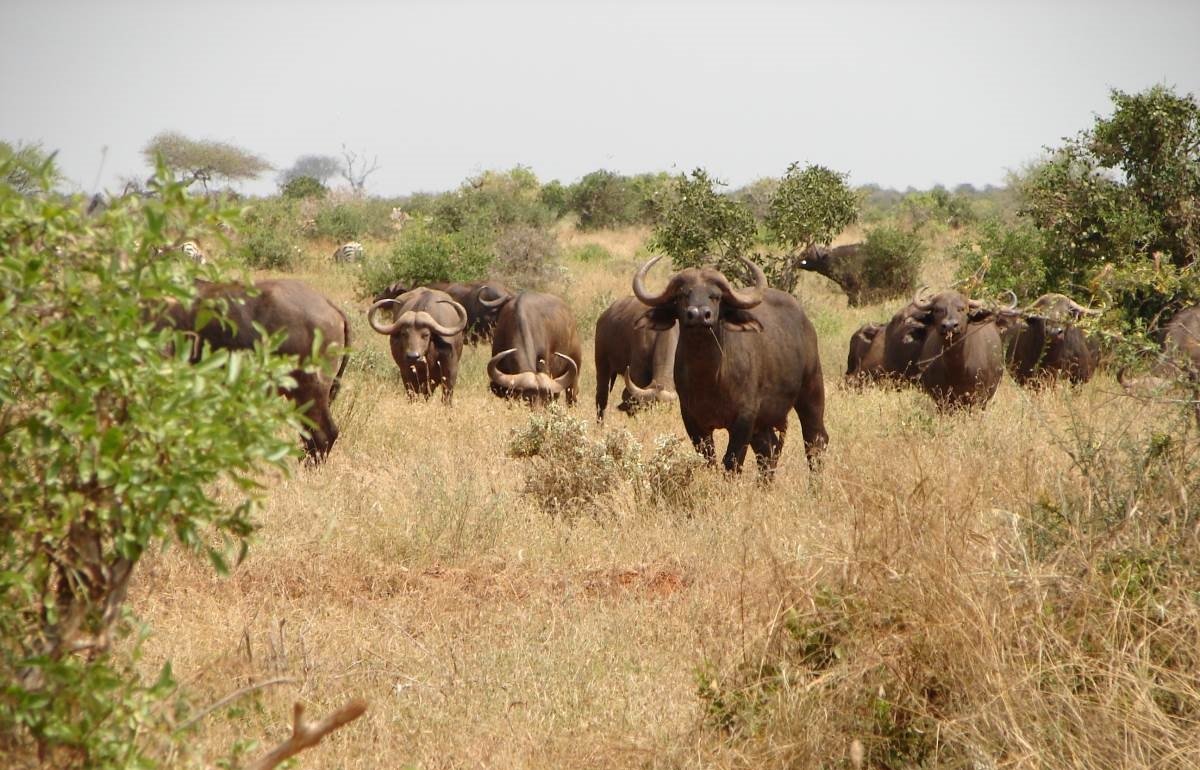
(555, 196)
(119, 449)
(423, 255)
(27, 167)
(810, 206)
(266, 240)
(891, 262)
(604, 199)
(999, 257)
(303, 187)
(698, 225)
(526, 257)
(936, 207)
(342, 222)
(1121, 195)
(493, 201)
(572, 474)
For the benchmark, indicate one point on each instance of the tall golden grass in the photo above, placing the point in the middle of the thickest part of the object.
(948, 591)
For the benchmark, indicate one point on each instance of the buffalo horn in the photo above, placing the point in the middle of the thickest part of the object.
(566, 379)
(919, 303)
(1081, 310)
(448, 331)
(491, 303)
(749, 297)
(638, 393)
(375, 309)
(502, 380)
(639, 286)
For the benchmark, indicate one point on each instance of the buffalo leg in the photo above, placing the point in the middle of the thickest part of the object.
(604, 383)
(739, 441)
(313, 397)
(810, 408)
(447, 363)
(767, 446)
(702, 439)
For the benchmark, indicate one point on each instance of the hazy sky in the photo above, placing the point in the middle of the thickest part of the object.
(898, 93)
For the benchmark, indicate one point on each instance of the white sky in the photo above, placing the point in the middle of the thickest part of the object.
(897, 93)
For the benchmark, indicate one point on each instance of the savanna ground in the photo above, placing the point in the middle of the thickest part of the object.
(413, 571)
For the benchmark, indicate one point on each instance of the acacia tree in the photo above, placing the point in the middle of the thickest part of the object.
(109, 447)
(27, 167)
(204, 160)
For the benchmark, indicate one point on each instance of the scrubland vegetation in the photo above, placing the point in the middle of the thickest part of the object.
(1015, 587)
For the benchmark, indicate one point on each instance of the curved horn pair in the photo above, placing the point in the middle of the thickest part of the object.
(531, 380)
(918, 302)
(418, 318)
(743, 299)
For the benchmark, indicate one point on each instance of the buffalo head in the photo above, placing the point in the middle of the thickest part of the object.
(416, 327)
(1056, 313)
(534, 387)
(949, 313)
(700, 298)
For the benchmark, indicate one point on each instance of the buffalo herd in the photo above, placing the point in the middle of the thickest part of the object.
(734, 359)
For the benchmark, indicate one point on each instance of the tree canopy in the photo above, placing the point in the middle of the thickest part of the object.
(204, 160)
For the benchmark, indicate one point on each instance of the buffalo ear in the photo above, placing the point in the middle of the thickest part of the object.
(740, 321)
(981, 314)
(657, 318)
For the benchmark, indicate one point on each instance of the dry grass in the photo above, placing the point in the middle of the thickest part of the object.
(411, 570)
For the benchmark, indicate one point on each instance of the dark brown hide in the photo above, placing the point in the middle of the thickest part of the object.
(903, 339)
(864, 363)
(647, 355)
(1045, 344)
(745, 358)
(426, 339)
(962, 359)
(482, 299)
(540, 330)
(279, 305)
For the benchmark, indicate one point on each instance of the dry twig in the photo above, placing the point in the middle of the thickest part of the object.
(308, 734)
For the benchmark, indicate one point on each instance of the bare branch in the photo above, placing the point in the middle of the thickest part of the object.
(357, 177)
(308, 734)
(231, 697)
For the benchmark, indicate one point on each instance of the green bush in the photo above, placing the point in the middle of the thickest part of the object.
(699, 225)
(423, 255)
(891, 262)
(493, 201)
(811, 205)
(1000, 257)
(303, 187)
(342, 222)
(120, 448)
(1119, 201)
(267, 239)
(604, 199)
(555, 196)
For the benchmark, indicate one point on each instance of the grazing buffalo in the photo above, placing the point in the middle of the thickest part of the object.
(278, 305)
(850, 268)
(426, 338)
(745, 358)
(639, 355)
(1044, 344)
(962, 359)
(535, 350)
(483, 301)
(865, 360)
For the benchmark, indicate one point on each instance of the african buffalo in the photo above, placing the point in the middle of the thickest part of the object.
(1045, 344)
(639, 355)
(962, 359)
(278, 305)
(865, 360)
(426, 339)
(903, 339)
(745, 357)
(535, 350)
(849, 267)
(482, 300)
